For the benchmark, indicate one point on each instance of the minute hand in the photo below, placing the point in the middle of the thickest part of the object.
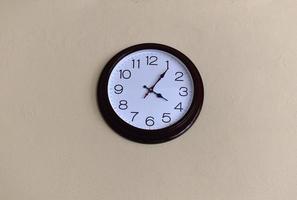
(151, 89)
(161, 76)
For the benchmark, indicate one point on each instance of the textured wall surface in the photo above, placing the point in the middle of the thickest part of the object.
(54, 143)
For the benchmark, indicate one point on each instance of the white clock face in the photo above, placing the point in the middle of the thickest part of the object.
(150, 89)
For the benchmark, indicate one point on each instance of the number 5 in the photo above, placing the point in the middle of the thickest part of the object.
(166, 118)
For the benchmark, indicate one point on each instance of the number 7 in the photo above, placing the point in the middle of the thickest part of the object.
(135, 113)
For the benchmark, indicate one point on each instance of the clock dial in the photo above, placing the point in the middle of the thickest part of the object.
(150, 93)
(150, 89)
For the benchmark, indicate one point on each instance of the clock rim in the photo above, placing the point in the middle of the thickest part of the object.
(142, 135)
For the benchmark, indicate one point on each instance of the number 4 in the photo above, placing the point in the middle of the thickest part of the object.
(179, 107)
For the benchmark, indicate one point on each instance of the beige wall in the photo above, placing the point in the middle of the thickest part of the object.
(55, 145)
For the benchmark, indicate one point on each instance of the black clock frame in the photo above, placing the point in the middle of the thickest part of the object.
(141, 135)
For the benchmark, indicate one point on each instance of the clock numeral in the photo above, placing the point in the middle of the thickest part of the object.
(123, 105)
(125, 74)
(183, 91)
(149, 121)
(135, 113)
(179, 75)
(179, 107)
(151, 60)
(166, 118)
(118, 89)
(136, 63)
(167, 63)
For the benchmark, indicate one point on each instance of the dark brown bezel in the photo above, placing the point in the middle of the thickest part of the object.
(142, 135)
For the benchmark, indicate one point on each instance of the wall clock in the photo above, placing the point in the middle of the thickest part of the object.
(150, 93)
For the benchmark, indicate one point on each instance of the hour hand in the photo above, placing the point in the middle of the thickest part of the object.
(159, 95)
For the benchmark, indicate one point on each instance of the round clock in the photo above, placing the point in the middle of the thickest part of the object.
(150, 93)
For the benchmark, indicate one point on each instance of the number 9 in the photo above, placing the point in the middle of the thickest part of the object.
(118, 89)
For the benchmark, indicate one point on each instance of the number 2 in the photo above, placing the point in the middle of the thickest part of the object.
(179, 75)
